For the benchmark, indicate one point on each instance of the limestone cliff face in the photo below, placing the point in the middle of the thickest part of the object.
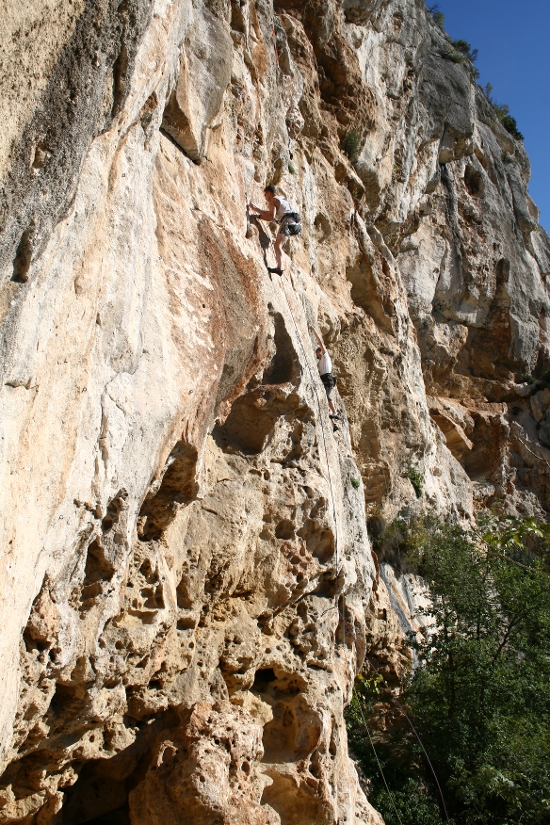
(187, 580)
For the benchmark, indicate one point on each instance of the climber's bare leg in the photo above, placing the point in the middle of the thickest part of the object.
(280, 242)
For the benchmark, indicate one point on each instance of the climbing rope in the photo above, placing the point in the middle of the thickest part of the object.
(267, 243)
(409, 720)
(275, 46)
(378, 761)
(331, 488)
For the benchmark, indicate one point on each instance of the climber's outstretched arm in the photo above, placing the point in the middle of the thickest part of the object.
(264, 214)
(319, 339)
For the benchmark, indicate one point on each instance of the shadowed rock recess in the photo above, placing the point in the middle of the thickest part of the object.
(188, 587)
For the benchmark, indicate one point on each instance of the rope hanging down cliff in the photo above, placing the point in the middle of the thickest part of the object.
(266, 243)
(331, 487)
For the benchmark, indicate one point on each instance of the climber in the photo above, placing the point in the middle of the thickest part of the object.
(324, 365)
(290, 223)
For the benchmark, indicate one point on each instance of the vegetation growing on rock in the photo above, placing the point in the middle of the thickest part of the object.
(479, 695)
(502, 111)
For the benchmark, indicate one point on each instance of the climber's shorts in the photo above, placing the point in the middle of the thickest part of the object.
(291, 224)
(329, 382)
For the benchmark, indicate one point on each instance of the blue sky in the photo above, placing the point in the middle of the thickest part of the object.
(513, 39)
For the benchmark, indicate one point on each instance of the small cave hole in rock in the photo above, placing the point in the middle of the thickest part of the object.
(98, 571)
(473, 180)
(319, 543)
(484, 458)
(247, 427)
(98, 566)
(148, 572)
(293, 733)
(326, 589)
(154, 598)
(114, 509)
(284, 366)
(322, 227)
(316, 769)
(361, 279)
(280, 735)
(254, 414)
(34, 644)
(176, 126)
(186, 623)
(100, 795)
(285, 530)
(263, 680)
(184, 600)
(120, 71)
(63, 701)
(35, 636)
(23, 257)
(300, 805)
(178, 487)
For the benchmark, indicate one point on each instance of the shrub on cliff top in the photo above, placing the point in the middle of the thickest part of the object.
(464, 48)
(511, 127)
(437, 16)
(502, 111)
(480, 695)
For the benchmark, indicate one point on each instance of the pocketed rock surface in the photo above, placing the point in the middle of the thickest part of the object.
(188, 586)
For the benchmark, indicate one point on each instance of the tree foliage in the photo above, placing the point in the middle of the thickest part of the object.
(437, 15)
(480, 695)
(351, 145)
(502, 111)
(464, 48)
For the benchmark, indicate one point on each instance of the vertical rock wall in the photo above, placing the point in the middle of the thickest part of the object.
(187, 578)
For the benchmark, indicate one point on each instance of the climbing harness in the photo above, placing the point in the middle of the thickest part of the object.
(290, 224)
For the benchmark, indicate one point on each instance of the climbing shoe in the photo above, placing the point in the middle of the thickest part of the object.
(334, 417)
(335, 428)
(275, 270)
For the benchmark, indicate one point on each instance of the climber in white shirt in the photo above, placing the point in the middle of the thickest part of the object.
(324, 365)
(290, 223)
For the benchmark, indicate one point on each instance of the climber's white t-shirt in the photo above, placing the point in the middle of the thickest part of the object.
(283, 207)
(324, 364)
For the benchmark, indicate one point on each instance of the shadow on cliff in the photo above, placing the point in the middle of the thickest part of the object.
(253, 415)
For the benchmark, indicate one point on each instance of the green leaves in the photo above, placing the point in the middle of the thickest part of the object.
(351, 145)
(502, 111)
(480, 696)
(416, 477)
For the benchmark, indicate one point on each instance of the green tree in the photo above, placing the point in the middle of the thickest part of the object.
(502, 111)
(464, 48)
(480, 696)
(437, 15)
